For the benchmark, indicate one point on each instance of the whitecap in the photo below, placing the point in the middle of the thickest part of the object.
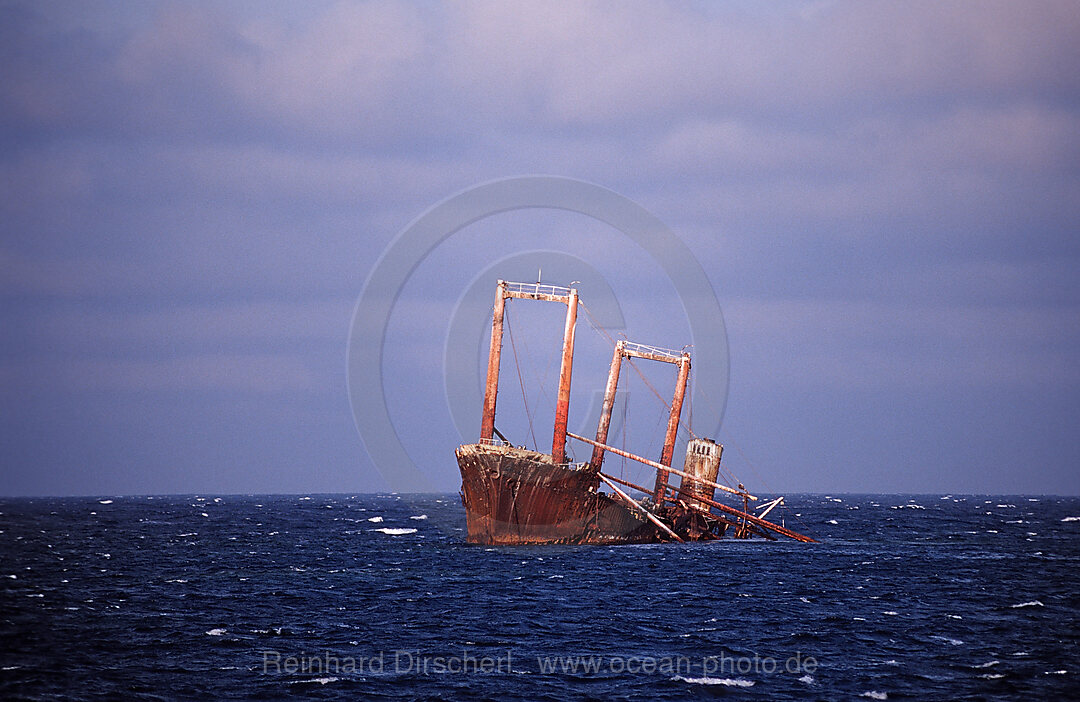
(418, 517)
(729, 682)
(321, 681)
(1033, 603)
(1056, 672)
(395, 532)
(954, 642)
(988, 664)
(832, 521)
(376, 520)
(804, 599)
(205, 514)
(104, 502)
(992, 676)
(808, 679)
(875, 695)
(891, 613)
(215, 632)
(1071, 519)
(954, 616)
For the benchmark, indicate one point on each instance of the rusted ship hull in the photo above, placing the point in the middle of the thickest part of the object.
(516, 496)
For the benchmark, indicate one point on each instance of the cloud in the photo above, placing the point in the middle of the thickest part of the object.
(864, 345)
(192, 194)
(229, 373)
(394, 72)
(262, 322)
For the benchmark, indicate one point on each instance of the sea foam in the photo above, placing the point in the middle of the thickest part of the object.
(729, 682)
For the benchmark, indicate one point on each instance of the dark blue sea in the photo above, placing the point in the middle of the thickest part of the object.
(378, 597)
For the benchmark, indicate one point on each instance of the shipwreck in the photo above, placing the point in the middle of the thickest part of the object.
(514, 495)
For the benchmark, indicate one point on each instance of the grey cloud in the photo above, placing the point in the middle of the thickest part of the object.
(878, 191)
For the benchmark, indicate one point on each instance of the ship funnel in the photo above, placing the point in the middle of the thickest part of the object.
(703, 463)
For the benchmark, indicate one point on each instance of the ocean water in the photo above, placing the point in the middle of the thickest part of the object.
(377, 597)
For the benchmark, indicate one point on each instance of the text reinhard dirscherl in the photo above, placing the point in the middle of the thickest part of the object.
(418, 663)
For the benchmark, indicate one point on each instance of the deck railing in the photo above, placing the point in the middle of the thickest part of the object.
(633, 346)
(537, 289)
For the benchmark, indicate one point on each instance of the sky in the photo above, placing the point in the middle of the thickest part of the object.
(884, 200)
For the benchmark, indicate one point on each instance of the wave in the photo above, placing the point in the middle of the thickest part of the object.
(729, 682)
(395, 532)
(321, 681)
(1033, 603)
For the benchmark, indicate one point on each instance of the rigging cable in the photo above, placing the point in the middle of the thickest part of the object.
(521, 381)
(730, 476)
(599, 329)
